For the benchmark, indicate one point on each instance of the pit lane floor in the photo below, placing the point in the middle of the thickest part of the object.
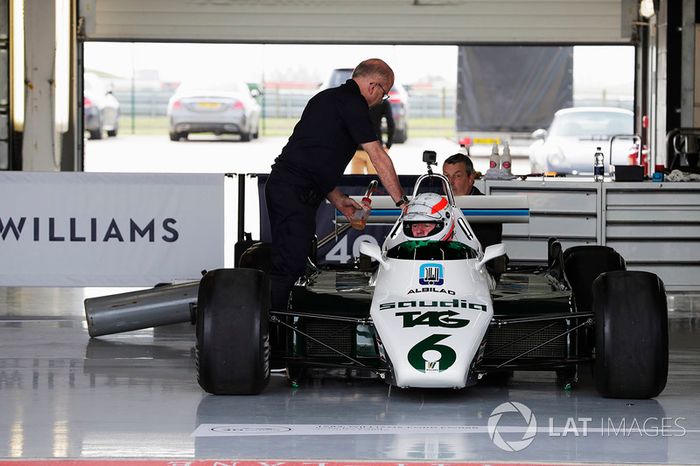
(134, 396)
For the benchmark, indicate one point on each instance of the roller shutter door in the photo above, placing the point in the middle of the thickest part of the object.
(361, 21)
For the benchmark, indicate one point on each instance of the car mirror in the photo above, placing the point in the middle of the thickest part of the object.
(539, 134)
(493, 251)
(373, 251)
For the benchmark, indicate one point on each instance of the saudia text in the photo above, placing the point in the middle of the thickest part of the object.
(452, 303)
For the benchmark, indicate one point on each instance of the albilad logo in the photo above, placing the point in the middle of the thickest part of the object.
(495, 430)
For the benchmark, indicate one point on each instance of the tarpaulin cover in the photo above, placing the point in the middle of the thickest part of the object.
(512, 89)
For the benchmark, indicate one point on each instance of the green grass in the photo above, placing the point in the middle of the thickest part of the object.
(282, 127)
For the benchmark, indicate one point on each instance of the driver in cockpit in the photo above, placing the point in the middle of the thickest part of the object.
(427, 218)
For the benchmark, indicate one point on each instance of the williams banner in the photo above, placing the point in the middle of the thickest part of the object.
(109, 229)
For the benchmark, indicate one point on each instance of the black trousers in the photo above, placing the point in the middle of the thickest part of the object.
(292, 211)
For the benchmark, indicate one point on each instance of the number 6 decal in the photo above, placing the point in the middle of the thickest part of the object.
(428, 356)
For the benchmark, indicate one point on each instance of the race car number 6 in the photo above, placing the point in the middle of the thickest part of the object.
(428, 356)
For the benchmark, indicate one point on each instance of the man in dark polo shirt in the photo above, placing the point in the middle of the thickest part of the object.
(334, 123)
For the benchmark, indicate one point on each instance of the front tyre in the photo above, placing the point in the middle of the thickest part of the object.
(233, 349)
(631, 352)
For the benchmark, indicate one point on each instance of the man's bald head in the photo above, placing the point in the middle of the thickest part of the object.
(374, 68)
(374, 78)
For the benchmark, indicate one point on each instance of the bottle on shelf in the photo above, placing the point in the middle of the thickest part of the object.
(506, 159)
(598, 165)
(495, 161)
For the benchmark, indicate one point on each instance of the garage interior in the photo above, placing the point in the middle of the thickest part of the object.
(134, 396)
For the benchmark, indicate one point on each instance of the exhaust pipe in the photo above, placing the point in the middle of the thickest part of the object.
(135, 310)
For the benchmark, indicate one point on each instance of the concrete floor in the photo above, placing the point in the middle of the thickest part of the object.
(134, 395)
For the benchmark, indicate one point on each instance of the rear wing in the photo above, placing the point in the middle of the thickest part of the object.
(476, 209)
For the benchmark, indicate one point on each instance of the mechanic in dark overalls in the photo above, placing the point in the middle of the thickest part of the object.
(333, 124)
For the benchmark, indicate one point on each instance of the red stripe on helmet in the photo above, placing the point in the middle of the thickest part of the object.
(439, 206)
(449, 234)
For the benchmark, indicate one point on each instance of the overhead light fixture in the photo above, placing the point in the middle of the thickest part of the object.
(17, 63)
(646, 8)
(61, 84)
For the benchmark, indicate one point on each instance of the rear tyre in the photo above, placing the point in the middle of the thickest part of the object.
(258, 256)
(583, 264)
(174, 136)
(233, 349)
(631, 329)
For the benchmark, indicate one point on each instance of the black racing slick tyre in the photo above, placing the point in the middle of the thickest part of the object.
(583, 264)
(233, 350)
(258, 256)
(631, 321)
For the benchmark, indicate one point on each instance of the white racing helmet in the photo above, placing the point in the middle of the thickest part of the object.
(428, 209)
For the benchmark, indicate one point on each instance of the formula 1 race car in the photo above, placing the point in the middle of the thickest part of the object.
(424, 310)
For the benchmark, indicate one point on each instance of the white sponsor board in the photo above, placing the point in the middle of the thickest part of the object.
(109, 229)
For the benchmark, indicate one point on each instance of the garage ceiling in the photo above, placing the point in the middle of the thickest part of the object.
(361, 21)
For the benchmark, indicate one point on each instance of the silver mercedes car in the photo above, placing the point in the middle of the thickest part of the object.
(216, 106)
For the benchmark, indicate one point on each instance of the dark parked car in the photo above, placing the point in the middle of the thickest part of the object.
(398, 98)
(100, 108)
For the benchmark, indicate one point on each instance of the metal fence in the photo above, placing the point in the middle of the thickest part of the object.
(287, 103)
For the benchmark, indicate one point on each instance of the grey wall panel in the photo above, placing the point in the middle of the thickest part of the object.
(553, 196)
(4, 16)
(649, 197)
(4, 77)
(4, 126)
(545, 226)
(534, 250)
(676, 277)
(652, 214)
(656, 227)
(353, 21)
(677, 251)
(566, 210)
(4, 150)
(662, 231)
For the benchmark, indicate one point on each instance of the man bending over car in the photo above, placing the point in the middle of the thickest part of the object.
(334, 123)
